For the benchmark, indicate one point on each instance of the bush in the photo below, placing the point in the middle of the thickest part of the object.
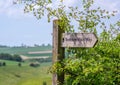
(4, 64)
(0, 64)
(19, 64)
(17, 58)
(35, 64)
(44, 83)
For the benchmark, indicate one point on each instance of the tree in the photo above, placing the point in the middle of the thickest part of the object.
(4, 63)
(6, 56)
(19, 64)
(94, 66)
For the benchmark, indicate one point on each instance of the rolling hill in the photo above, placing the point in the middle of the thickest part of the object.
(28, 51)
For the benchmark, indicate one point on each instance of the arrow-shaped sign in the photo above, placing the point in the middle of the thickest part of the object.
(79, 40)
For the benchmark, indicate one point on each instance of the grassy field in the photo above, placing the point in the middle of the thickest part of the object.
(12, 74)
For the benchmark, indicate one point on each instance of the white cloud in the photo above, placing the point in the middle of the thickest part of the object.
(70, 2)
(7, 8)
(5, 5)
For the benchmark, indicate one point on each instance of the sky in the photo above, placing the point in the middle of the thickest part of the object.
(18, 28)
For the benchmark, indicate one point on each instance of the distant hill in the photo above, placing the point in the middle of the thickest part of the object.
(28, 51)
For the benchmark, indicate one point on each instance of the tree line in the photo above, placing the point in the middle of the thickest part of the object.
(24, 45)
(6, 56)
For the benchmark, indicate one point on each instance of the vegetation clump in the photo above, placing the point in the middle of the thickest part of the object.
(35, 64)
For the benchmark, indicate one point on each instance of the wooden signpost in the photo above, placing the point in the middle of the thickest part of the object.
(86, 40)
(58, 51)
(62, 40)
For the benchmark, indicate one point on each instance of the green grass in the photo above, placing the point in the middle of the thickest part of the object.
(12, 74)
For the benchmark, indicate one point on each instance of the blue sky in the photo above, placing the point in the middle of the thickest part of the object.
(17, 28)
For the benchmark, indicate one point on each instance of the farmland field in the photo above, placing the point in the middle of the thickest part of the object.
(12, 74)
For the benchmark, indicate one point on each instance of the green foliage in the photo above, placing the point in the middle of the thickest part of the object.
(95, 66)
(118, 37)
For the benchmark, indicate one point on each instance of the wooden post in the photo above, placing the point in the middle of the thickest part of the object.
(58, 51)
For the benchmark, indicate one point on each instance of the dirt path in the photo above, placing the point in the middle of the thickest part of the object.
(27, 58)
(24, 57)
(40, 52)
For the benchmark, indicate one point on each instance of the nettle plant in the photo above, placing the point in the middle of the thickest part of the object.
(84, 66)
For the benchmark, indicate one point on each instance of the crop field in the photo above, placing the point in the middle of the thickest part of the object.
(12, 74)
